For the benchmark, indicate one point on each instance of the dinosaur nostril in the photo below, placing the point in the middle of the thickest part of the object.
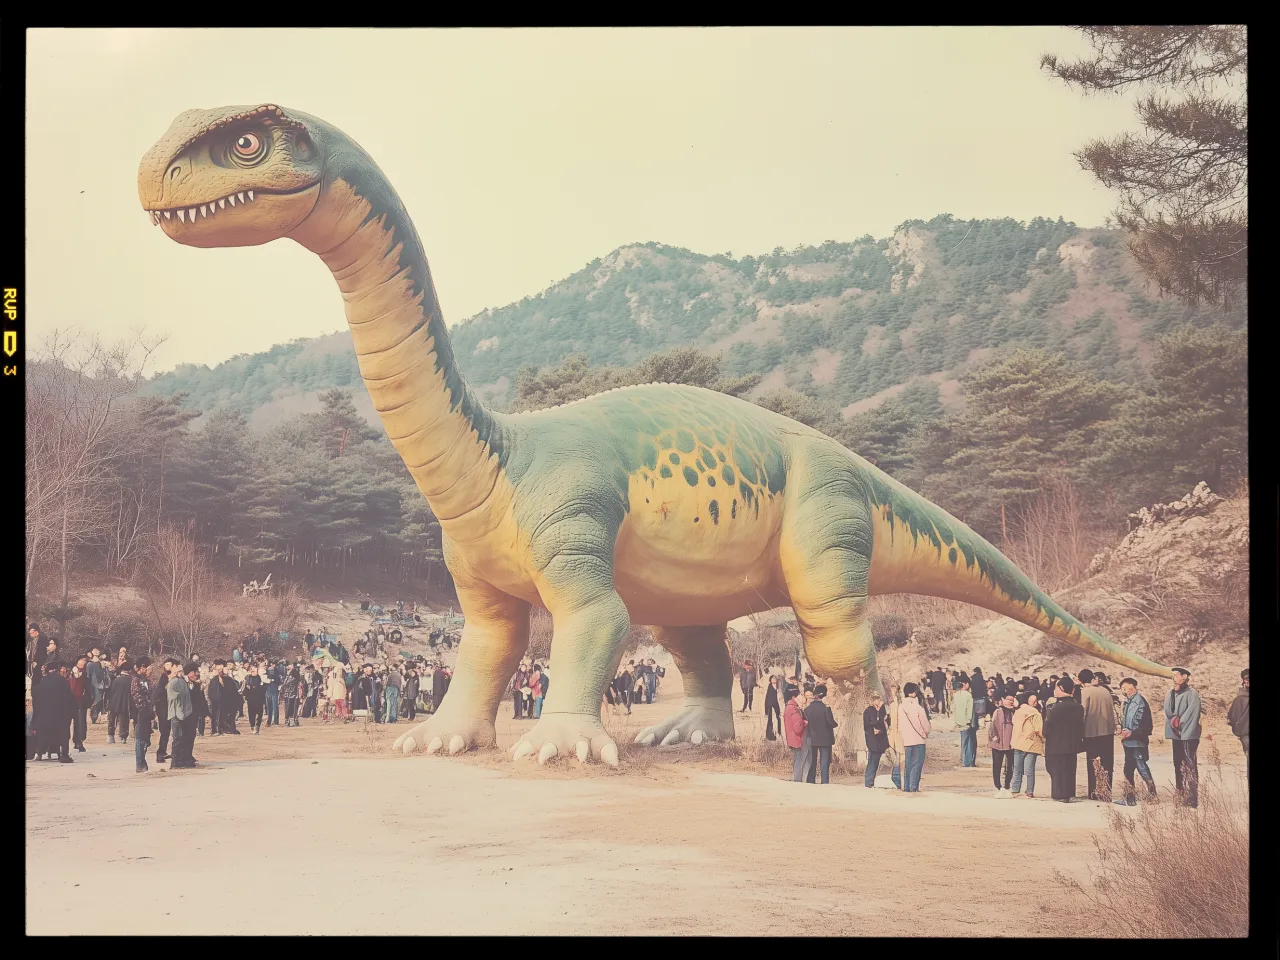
(174, 171)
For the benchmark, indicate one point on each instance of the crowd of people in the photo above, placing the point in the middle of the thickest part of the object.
(1023, 719)
(182, 699)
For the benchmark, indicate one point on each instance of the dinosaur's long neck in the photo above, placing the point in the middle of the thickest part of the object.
(449, 441)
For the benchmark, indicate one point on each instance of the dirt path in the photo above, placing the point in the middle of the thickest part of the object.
(323, 832)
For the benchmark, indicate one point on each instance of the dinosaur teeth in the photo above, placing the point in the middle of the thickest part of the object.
(232, 199)
(250, 194)
(166, 214)
(241, 196)
(182, 215)
(203, 210)
(222, 203)
(191, 214)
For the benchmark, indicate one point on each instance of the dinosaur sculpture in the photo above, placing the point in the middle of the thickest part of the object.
(659, 504)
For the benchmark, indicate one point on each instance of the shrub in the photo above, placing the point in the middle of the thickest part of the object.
(1166, 871)
(889, 630)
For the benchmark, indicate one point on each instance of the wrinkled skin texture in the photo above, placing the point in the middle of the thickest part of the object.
(660, 504)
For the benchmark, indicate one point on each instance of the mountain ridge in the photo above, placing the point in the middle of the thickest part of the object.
(850, 323)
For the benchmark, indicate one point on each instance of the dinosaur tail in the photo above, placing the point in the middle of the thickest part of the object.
(920, 548)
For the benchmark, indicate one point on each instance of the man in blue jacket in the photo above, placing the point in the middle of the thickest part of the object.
(1182, 728)
(1135, 737)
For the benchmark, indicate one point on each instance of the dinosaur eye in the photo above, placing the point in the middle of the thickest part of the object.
(248, 148)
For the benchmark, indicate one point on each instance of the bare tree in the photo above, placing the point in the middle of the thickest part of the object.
(75, 439)
(1050, 538)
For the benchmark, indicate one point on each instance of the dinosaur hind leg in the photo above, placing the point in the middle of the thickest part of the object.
(825, 553)
(702, 657)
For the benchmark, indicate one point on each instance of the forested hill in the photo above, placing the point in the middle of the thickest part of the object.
(846, 323)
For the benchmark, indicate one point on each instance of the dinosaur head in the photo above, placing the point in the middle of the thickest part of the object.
(233, 176)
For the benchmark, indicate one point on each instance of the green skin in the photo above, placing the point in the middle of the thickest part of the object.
(660, 504)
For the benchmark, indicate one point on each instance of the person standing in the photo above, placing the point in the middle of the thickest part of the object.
(966, 722)
(938, 682)
(182, 715)
(1135, 735)
(271, 693)
(1238, 717)
(911, 726)
(650, 681)
(395, 684)
(52, 712)
(875, 730)
(199, 703)
(143, 713)
(748, 680)
(1028, 744)
(439, 687)
(118, 704)
(1063, 740)
(536, 691)
(1099, 733)
(216, 694)
(160, 707)
(822, 731)
(1000, 741)
(83, 696)
(35, 653)
(794, 724)
(96, 671)
(255, 698)
(519, 680)
(412, 687)
(289, 694)
(771, 708)
(978, 687)
(1182, 727)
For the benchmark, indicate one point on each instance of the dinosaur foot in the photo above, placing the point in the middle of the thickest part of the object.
(447, 732)
(567, 735)
(701, 720)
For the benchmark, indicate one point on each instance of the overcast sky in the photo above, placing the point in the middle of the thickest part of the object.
(524, 154)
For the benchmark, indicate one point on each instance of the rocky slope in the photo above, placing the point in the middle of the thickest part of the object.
(1175, 589)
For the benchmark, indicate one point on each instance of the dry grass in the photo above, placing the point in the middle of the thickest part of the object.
(1166, 871)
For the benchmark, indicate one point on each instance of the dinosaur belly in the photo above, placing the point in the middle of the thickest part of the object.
(692, 554)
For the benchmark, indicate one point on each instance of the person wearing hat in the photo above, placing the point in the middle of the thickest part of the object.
(1238, 717)
(1063, 740)
(1135, 738)
(1182, 729)
(52, 709)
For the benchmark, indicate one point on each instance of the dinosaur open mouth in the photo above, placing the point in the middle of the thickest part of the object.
(188, 214)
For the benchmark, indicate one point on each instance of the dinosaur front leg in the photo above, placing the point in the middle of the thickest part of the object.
(702, 657)
(589, 624)
(494, 635)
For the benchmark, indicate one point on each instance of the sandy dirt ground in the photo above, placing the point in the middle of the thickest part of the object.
(320, 830)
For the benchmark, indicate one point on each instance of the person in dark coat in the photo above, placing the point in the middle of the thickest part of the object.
(1063, 740)
(52, 709)
(875, 730)
(83, 694)
(219, 697)
(140, 694)
(118, 704)
(439, 686)
(199, 704)
(412, 687)
(821, 730)
(748, 680)
(771, 708)
(255, 697)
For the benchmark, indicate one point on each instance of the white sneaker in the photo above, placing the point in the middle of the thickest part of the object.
(1006, 792)
(997, 793)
